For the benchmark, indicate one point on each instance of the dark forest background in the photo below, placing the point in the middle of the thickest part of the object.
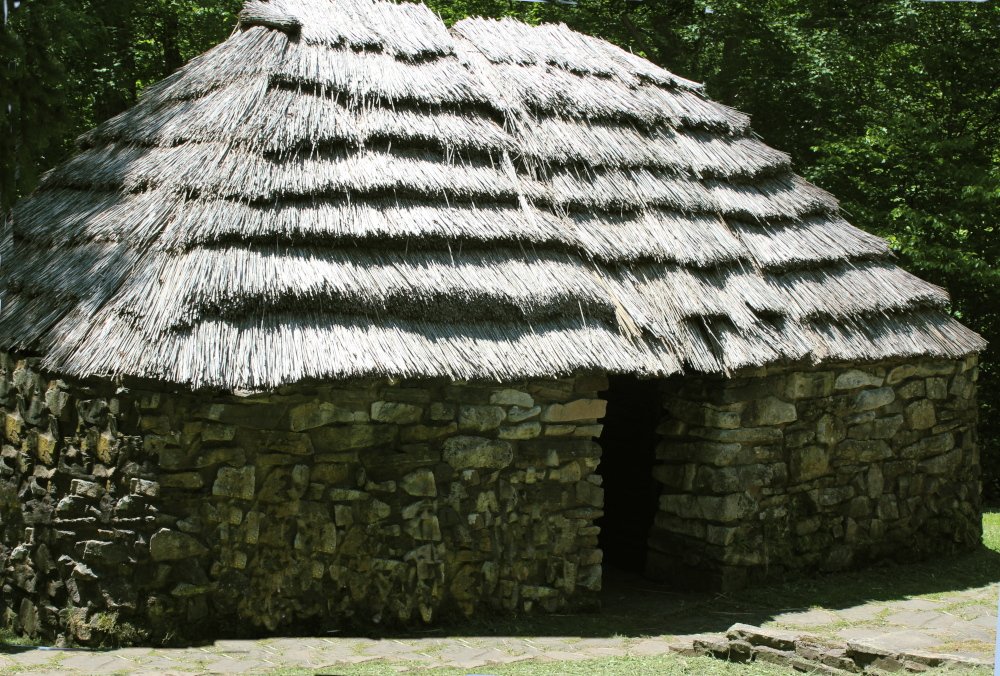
(892, 105)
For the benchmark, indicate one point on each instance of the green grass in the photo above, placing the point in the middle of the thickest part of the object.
(10, 638)
(991, 531)
(664, 665)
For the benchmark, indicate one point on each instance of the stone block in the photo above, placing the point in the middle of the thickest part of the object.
(347, 495)
(148, 489)
(408, 393)
(760, 636)
(854, 379)
(723, 509)
(480, 418)
(875, 481)
(809, 462)
(927, 446)
(920, 415)
(465, 452)
(872, 658)
(869, 400)
(946, 463)
(244, 414)
(936, 388)
(516, 414)
(13, 427)
(830, 430)
(741, 435)
(275, 441)
(528, 430)
(182, 481)
(831, 495)
(963, 386)
(86, 489)
(328, 539)
(797, 438)
(420, 482)
(589, 431)
(441, 411)
(217, 432)
(809, 384)
(104, 553)
(770, 411)
(567, 474)
(702, 414)
(352, 437)
(425, 528)
(709, 452)
(395, 412)
(45, 448)
(419, 433)
(886, 428)
(234, 482)
(860, 451)
(589, 494)
(912, 390)
(723, 480)
(319, 413)
(573, 411)
(211, 457)
(374, 511)
(901, 373)
(509, 397)
(170, 545)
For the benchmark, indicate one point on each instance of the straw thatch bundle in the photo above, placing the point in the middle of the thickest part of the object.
(347, 188)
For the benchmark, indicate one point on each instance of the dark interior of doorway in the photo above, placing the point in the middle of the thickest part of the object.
(628, 453)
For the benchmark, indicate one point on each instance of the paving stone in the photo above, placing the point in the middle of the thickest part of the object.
(563, 656)
(863, 613)
(93, 663)
(653, 646)
(464, 657)
(917, 604)
(913, 618)
(35, 657)
(807, 618)
(225, 666)
(900, 641)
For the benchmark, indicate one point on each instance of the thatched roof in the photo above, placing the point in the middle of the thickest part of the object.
(348, 188)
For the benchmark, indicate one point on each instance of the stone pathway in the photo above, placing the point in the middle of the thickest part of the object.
(960, 623)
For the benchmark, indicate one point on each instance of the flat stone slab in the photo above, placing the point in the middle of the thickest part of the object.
(807, 618)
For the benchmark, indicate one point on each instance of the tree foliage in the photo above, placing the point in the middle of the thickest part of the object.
(893, 106)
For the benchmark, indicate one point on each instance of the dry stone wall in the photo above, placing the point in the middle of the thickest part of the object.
(780, 471)
(134, 514)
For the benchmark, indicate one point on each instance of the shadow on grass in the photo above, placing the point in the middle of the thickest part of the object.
(633, 606)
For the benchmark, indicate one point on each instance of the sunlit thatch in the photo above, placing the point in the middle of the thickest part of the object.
(348, 188)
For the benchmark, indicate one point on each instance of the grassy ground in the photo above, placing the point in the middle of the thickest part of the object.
(667, 665)
(991, 530)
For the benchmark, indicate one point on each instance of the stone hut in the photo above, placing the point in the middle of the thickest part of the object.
(357, 318)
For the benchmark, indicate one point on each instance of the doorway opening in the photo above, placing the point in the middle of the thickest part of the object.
(628, 454)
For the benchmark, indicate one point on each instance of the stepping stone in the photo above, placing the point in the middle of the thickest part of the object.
(757, 636)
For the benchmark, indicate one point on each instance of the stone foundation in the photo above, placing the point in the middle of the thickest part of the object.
(136, 515)
(778, 472)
